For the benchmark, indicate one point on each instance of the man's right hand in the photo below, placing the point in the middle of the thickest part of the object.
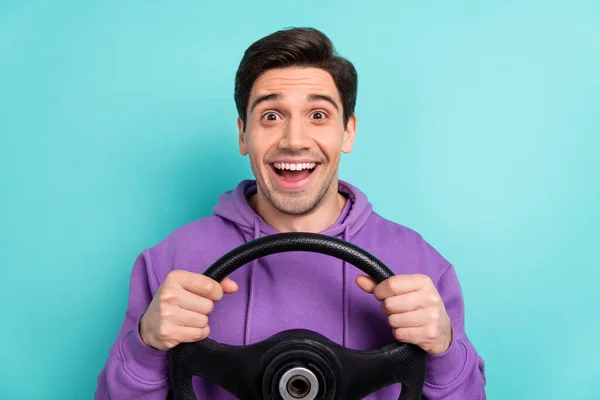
(179, 310)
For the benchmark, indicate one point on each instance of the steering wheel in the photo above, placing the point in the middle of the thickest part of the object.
(297, 363)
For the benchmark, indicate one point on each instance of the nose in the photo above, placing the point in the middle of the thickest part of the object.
(294, 137)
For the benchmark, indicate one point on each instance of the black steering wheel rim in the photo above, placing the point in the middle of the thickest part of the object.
(298, 241)
(186, 357)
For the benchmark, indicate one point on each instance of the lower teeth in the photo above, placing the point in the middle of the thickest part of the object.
(279, 173)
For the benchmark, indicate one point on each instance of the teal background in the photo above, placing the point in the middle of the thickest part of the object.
(478, 126)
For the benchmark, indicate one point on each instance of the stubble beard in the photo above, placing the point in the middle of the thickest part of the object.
(294, 203)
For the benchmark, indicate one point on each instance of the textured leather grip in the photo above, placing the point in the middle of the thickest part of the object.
(309, 242)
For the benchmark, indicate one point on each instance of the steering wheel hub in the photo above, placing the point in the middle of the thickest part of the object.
(299, 366)
(298, 383)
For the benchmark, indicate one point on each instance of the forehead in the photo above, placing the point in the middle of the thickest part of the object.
(295, 82)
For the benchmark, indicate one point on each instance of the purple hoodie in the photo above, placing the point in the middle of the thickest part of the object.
(288, 290)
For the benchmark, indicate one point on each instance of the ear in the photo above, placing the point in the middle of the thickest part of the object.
(242, 137)
(349, 135)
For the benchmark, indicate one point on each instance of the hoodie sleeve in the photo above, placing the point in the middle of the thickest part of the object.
(133, 369)
(459, 373)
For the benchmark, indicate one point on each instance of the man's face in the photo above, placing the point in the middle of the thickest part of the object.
(294, 136)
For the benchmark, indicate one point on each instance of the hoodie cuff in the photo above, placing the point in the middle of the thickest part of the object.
(145, 363)
(445, 368)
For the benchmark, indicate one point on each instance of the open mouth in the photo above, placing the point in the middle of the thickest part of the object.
(294, 172)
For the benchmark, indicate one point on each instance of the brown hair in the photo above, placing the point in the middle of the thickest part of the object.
(302, 47)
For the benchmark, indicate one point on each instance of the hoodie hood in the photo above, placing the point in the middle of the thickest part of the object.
(233, 206)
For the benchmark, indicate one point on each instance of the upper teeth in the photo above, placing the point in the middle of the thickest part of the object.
(295, 167)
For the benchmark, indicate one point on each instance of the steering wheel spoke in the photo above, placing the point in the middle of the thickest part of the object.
(231, 367)
(365, 372)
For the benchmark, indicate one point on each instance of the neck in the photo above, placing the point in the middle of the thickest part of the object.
(317, 220)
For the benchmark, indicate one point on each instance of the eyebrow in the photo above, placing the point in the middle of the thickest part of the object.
(323, 97)
(263, 98)
(276, 96)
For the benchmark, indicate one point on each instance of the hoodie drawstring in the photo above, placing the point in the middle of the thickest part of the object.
(345, 294)
(251, 288)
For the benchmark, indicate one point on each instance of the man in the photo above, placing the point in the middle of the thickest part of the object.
(295, 100)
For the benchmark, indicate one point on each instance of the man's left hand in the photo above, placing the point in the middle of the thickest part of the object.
(415, 310)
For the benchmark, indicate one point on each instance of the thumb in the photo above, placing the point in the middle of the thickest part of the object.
(366, 283)
(229, 286)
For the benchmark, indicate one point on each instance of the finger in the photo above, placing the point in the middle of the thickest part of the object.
(200, 284)
(407, 302)
(409, 335)
(195, 303)
(229, 286)
(190, 319)
(186, 334)
(365, 283)
(400, 284)
(410, 319)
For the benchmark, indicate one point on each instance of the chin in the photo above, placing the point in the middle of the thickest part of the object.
(293, 203)
(294, 200)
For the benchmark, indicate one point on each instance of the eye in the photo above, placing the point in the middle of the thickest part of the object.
(319, 115)
(271, 116)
